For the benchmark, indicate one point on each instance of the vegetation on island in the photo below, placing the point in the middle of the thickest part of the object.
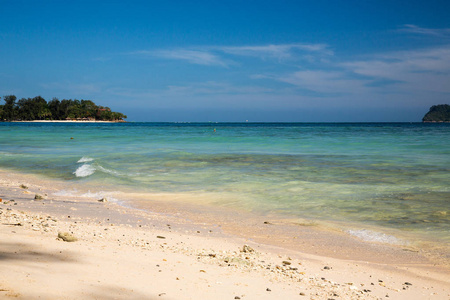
(37, 108)
(438, 113)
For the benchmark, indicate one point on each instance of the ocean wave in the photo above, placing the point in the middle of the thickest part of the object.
(84, 170)
(109, 171)
(85, 159)
(89, 169)
(373, 236)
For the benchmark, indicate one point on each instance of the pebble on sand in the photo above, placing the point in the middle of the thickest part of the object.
(247, 249)
(38, 197)
(67, 237)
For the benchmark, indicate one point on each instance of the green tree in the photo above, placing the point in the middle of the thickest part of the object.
(54, 107)
(25, 110)
(38, 109)
(33, 109)
(1, 111)
(9, 109)
(88, 108)
(41, 108)
(74, 110)
(64, 108)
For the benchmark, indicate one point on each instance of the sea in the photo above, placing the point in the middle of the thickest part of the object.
(375, 181)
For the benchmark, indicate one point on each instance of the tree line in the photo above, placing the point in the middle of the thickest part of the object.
(37, 108)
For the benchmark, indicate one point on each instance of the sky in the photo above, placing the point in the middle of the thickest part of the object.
(232, 61)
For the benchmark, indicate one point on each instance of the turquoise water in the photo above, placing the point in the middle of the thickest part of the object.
(390, 175)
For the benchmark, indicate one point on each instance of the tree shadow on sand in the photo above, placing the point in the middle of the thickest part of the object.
(109, 292)
(27, 252)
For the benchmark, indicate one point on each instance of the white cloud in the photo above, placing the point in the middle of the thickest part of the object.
(199, 57)
(402, 72)
(422, 70)
(283, 51)
(438, 32)
(214, 55)
(426, 69)
(324, 81)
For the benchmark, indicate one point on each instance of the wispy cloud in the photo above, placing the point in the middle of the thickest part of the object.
(220, 55)
(213, 87)
(315, 67)
(328, 82)
(280, 52)
(193, 89)
(419, 70)
(437, 32)
(199, 57)
(426, 69)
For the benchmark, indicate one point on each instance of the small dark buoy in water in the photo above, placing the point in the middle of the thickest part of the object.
(71, 138)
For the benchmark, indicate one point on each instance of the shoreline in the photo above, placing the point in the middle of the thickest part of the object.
(182, 231)
(66, 121)
(335, 239)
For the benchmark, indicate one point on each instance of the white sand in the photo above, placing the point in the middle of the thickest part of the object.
(120, 254)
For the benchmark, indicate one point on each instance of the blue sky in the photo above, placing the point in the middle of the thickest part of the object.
(304, 61)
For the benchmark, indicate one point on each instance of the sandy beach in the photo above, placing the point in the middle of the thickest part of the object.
(128, 253)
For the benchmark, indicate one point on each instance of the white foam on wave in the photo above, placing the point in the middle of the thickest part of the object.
(85, 159)
(90, 194)
(65, 193)
(99, 195)
(373, 236)
(84, 171)
(105, 170)
(89, 169)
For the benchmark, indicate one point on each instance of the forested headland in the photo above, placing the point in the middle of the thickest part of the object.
(438, 113)
(37, 108)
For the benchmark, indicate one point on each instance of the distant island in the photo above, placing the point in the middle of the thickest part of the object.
(438, 113)
(37, 108)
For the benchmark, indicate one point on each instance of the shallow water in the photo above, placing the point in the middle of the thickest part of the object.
(387, 175)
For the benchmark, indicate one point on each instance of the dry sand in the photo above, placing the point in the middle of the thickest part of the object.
(126, 253)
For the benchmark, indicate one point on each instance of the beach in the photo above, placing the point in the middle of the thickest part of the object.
(127, 253)
(224, 211)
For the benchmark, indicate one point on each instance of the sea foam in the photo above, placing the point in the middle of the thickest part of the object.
(65, 193)
(109, 171)
(84, 171)
(100, 194)
(373, 236)
(85, 159)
